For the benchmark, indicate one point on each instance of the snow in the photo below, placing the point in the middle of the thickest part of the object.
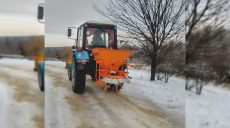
(16, 65)
(56, 63)
(169, 94)
(209, 110)
(12, 110)
(66, 109)
(20, 99)
(55, 105)
(3, 100)
(19, 62)
(169, 97)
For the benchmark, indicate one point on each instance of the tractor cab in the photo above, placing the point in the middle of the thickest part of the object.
(94, 35)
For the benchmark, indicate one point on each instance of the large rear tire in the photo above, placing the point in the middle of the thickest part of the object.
(69, 68)
(78, 78)
(41, 76)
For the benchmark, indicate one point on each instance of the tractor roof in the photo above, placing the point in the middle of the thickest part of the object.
(98, 23)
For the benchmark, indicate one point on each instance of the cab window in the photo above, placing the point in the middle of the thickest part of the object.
(80, 37)
(99, 38)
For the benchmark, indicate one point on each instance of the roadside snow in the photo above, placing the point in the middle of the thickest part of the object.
(15, 61)
(168, 97)
(209, 110)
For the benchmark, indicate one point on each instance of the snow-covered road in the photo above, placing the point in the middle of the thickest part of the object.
(133, 107)
(21, 102)
(139, 104)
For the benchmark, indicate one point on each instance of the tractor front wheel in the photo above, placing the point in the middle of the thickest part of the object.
(78, 78)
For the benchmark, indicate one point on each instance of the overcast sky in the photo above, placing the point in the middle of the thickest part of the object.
(19, 17)
(61, 14)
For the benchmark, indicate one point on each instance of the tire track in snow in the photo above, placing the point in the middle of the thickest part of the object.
(24, 105)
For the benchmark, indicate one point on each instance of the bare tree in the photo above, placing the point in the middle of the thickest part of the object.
(209, 15)
(205, 35)
(152, 23)
(200, 11)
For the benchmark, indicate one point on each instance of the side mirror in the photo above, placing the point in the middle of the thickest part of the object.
(40, 13)
(72, 33)
(69, 32)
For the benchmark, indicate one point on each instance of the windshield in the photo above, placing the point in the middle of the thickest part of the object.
(100, 38)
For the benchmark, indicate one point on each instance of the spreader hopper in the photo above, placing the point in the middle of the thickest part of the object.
(111, 65)
(110, 59)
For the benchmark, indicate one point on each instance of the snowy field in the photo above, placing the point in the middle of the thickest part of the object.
(21, 102)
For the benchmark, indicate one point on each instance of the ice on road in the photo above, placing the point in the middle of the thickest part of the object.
(132, 107)
(21, 102)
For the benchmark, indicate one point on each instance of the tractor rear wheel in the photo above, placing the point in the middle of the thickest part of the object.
(69, 68)
(41, 75)
(78, 78)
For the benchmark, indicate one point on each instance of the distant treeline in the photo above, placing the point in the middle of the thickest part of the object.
(27, 46)
(58, 52)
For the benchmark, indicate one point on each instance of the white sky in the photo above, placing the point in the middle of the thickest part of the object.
(19, 17)
(60, 14)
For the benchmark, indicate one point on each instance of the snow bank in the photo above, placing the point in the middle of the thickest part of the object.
(168, 97)
(209, 110)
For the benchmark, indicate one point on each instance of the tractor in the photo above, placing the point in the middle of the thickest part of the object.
(39, 64)
(96, 53)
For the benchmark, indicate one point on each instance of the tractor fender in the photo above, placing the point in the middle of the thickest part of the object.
(81, 55)
(41, 65)
(70, 65)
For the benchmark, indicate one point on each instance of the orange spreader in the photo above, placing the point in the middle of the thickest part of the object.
(111, 59)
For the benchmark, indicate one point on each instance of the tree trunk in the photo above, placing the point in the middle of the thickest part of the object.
(153, 68)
